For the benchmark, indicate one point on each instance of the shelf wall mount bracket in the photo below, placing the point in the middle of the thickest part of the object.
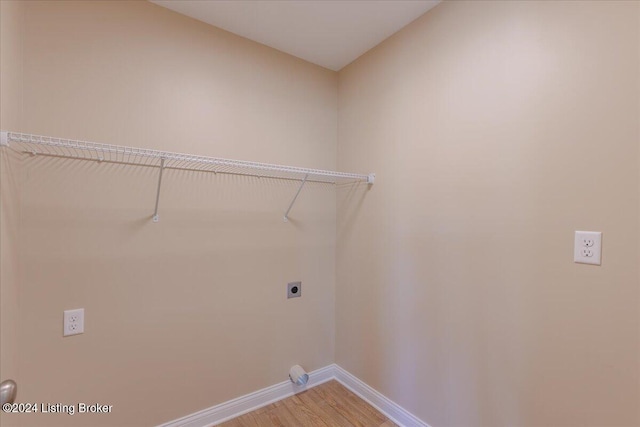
(286, 214)
(4, 139)
(156, 217)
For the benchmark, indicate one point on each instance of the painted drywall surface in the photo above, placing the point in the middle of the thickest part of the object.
(11, 14)
(496, 129)
(191, 311)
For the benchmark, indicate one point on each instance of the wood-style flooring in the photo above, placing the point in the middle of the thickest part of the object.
(327, 405)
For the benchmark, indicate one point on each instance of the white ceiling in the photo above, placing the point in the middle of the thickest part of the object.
(330, 33)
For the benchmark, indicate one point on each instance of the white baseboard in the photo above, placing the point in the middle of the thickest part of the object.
(390, 409)
(233, 408)
(250, 402)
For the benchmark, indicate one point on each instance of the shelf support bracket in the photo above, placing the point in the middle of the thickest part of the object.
(4, 139)
(286, 214)
(156, 218)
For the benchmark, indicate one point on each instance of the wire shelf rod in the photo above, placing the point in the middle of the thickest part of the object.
(100, 152)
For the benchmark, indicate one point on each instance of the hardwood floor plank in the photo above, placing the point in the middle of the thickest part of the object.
(312, 400)
(304, 414)
(279, 416)
(326, 405)
(337, 397)
(248, 420)
(353, 398)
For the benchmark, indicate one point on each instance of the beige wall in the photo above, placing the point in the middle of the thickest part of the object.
(11, 17)
(496, 129)
(191, 311)
(457, 296)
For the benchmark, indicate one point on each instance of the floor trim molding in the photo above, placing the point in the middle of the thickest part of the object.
(373, 397)
(233, 408)
(250, 402)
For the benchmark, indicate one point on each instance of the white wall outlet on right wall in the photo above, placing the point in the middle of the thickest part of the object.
(587, 248)
(73, 322)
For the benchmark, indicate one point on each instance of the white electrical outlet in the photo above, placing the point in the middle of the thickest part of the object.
(73, 322)
(587, 247)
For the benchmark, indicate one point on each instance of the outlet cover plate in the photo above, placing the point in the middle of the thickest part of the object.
(587, 248)
(294, 289)
(73, 322)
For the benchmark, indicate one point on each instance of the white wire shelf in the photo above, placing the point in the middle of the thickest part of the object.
(94, 151)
